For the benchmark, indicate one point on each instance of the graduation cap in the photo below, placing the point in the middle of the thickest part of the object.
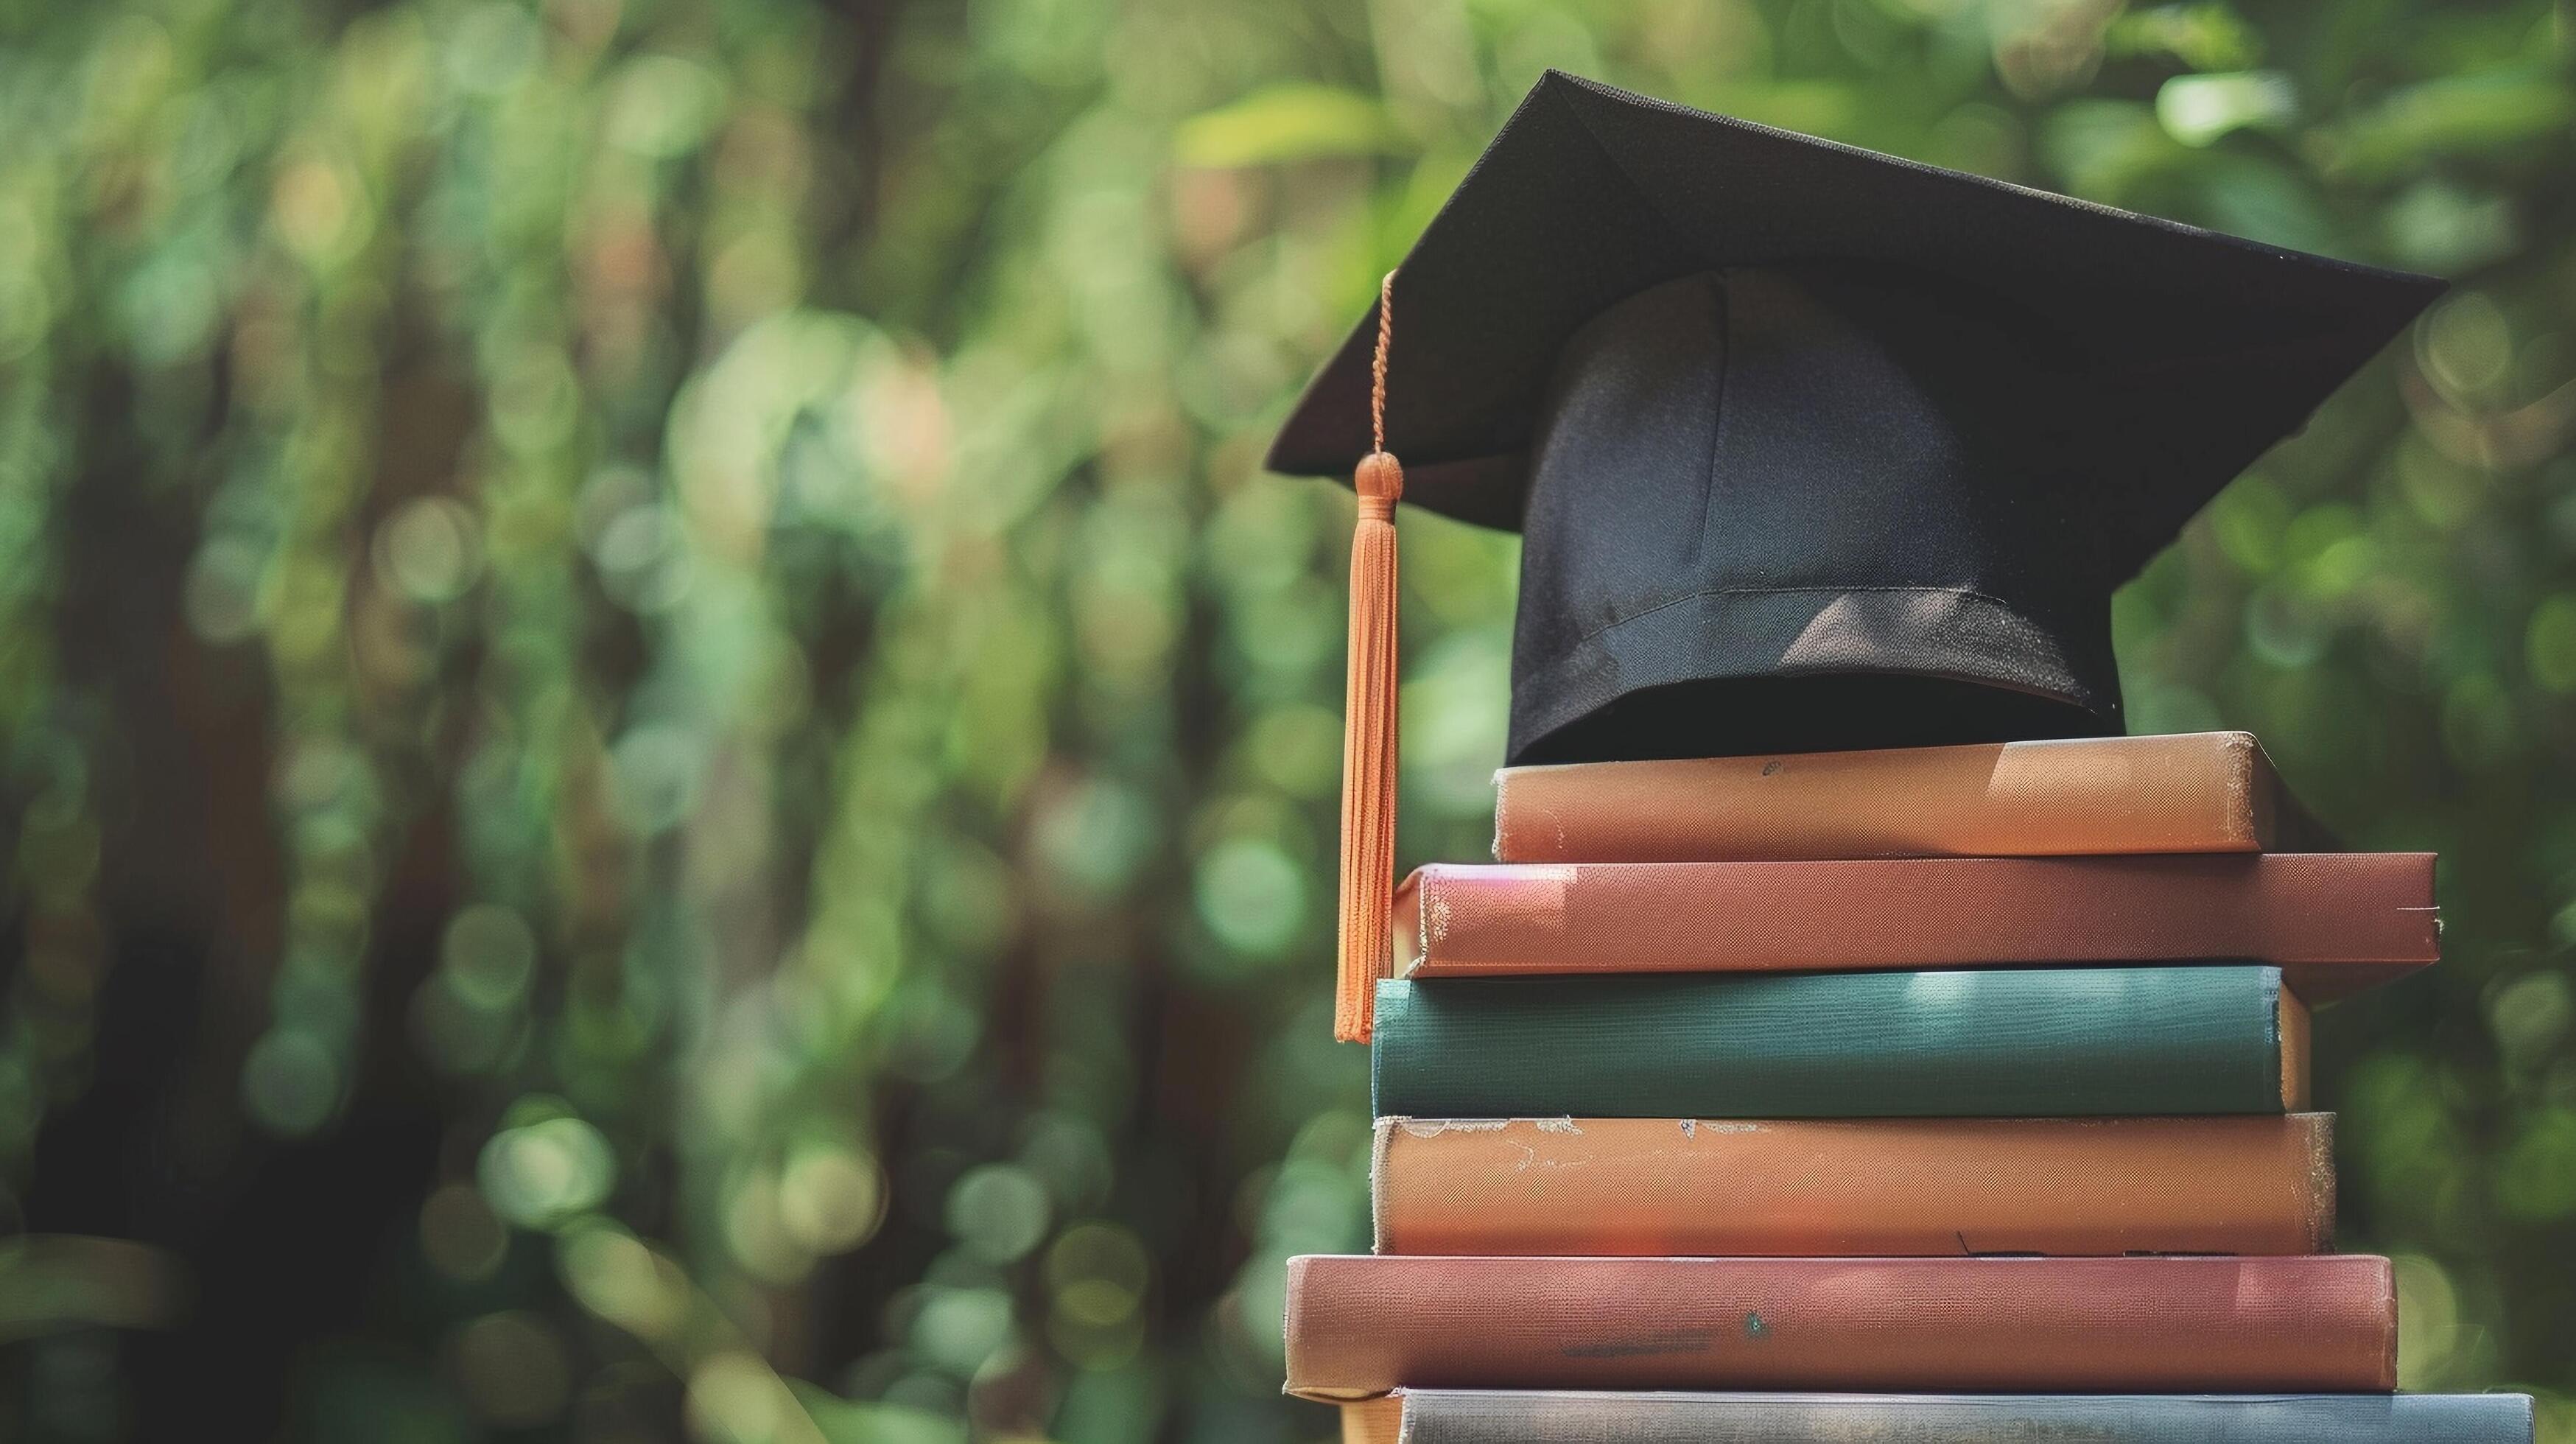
(1810, 447)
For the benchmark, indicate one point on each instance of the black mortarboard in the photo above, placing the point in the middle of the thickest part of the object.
(1813, 447)
(1810, 448)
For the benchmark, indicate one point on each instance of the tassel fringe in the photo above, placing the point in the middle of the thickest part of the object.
(1368, 751)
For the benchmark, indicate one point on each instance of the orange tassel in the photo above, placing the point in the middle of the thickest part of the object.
(1368, 718)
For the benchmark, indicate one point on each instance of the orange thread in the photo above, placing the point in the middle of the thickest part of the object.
(1377, 363)
(1369, 722)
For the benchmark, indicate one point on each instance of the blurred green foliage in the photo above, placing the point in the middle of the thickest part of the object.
(684, 591)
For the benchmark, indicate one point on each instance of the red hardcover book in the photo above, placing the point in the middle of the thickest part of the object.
(1362, 1325)
(2332, 922)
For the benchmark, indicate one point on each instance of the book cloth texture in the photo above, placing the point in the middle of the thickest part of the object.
(1363, 1325)
(1645, 1187)
(1529, 1417)
(2338, 921)
(2191, 792)
(2024, 1043)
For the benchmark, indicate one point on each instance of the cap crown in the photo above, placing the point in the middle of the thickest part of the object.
(1841, 479)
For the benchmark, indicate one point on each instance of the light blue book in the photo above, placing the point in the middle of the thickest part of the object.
(1482, 1416)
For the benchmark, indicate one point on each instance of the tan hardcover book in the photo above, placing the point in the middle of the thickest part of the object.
(1361, 1326)
(2189, 792)
(1373, 1421)
(2334, 923)
(1647, 1187)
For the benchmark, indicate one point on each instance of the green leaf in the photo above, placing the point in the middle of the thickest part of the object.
(1288, 123)
(2455, 115)
(2204, 37)
(2109, 150)
(2198, 109)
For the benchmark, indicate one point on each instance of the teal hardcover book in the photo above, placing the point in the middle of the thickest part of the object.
(2039, 1042)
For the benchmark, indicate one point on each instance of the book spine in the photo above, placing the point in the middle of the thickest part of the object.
(1646, 1187)
(1373, 1421)
(1362, 1326)
(1972, 1044)
(1586, 1417)
(2282, 908)
(2199, 792)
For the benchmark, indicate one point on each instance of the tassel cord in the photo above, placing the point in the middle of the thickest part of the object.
(1369, 716)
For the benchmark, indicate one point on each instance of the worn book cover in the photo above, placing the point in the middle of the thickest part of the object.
(1978, 1043)
(1359, 1326)
(2189, 792)
(1373, 1421)
(1447, 1416)
(1646, 1187)
(2336, 921)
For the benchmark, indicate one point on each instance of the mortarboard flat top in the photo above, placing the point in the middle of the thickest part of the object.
(1814, 447)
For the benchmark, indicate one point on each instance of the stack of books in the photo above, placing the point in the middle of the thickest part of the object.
(1933, 1094)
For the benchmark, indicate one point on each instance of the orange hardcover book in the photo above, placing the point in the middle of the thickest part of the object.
(1373, 1421)
(1648, 1187)
(2189, 792)
(2333, 922)
(1360, 1326)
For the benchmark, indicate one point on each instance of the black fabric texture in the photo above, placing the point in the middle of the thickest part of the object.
(1813, 445)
